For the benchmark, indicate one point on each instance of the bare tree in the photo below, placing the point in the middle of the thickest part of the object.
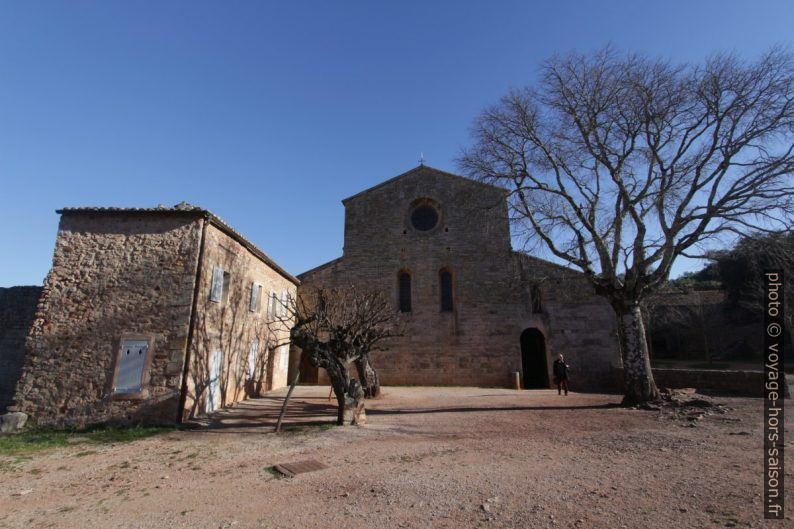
(337, 327)
(619, 165)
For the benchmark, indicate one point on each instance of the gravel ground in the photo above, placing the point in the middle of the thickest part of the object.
(428, 457)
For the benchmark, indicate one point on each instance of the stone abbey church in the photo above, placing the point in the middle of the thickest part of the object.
(162, 314)
(476, 311)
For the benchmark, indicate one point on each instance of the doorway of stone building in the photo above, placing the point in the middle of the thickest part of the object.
(309, 373)
(533, 359)
(214, 396)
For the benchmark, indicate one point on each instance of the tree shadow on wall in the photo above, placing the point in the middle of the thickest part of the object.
(231, 328)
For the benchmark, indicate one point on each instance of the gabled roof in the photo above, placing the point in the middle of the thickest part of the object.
(415, 170)
(184, 208)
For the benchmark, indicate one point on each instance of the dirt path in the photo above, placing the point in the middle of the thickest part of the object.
(429, 457)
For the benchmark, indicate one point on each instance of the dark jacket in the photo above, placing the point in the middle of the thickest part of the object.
(560, 370)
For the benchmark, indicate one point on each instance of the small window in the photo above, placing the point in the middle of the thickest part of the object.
(445, 279)
(404, 287)
(227, 278)
(272, 305)
(284, 300)
(219, 291)
(216, 291)
(131, 364)
(537, 300)
(256, 297)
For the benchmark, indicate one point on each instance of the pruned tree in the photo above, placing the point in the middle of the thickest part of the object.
(337, 327)
(620, 164)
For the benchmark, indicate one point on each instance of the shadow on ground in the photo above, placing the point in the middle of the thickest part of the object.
(470, 409)
(259, 415)
(310, 406)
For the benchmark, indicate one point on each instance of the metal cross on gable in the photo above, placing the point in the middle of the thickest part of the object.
(421, 158)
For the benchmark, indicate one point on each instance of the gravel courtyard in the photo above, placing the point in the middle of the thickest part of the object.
(428, 457)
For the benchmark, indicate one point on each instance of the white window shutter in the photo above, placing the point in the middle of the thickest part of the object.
(129, 375)
(284, 304)
(216, 291)
(252, 357)
(254, 297)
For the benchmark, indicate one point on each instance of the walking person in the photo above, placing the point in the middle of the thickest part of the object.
(560, 370)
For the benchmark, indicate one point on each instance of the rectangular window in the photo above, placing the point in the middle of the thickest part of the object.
(256, 297)
(445, 278)
(226, 283)
(216, 291)
(219, 291)
(271, 305)
(284, 304)
(131, 363)
(404, 288)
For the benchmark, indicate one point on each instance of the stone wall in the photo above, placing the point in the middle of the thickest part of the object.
(740, 383)
(113, 275)
(478, 342)
(577, 323)
(228, 329)
(17, 309)
(691, 324)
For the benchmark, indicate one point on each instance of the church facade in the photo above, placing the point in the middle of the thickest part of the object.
(476, 312)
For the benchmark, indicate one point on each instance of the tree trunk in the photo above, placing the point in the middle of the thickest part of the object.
(286, 400)
(349, 395)
(368, 376)
(354, 404)
(637, 375)
(340, 382)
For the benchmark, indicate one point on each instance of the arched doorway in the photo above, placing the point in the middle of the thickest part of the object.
(309, 373)
(533, 359)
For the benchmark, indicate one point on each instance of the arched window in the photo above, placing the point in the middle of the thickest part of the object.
(404, 286)
(445, 279)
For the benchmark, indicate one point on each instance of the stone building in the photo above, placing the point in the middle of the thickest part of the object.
(476, 311)
(152, 315)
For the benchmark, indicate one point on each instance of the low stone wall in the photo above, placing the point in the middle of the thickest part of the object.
(17, 309)
(744, 383)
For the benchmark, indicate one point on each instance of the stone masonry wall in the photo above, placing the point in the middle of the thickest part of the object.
(17, 309)
(478, 343)
(229, 326)
(744, 383)
(113, 275)
(576, 323)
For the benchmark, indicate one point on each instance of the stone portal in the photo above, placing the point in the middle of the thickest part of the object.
(533, 359)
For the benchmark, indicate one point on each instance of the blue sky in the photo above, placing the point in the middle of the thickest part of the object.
(270, 113)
